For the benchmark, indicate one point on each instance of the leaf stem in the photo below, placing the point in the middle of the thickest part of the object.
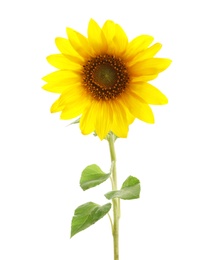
(116, 202)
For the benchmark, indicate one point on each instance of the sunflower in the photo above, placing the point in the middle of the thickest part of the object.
(103, 79)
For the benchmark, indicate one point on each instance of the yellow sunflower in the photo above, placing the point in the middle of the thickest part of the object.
(103, 79)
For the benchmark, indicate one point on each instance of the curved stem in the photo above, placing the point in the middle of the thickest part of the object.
(116, 202)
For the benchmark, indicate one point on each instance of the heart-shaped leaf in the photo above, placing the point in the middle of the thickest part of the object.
(129, 190)
(87, 215)
(92, 176)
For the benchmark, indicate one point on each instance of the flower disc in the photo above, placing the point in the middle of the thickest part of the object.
(105, 77)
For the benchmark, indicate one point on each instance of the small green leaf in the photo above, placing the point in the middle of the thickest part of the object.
(92, 176)
(129, 190)
(87, 215)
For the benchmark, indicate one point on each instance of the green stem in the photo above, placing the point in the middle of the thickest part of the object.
(110, 219)
(116, 202)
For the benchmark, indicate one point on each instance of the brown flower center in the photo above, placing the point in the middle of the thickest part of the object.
(105, 77)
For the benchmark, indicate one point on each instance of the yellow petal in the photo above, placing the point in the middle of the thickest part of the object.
(120, 122)
(130, 118)
(60, 76)
(142, 79)
(60, 80)
(61, 62)
(149, 94)
(120, 40)
(103, 119)
(65, 47)
(150, 66)
(109, 33)
(96, 37)
(72, 102)
(88, 118)
(72, 94)
(78, 42)
(153, 50)
(138, 45)
(109, 30)
(137, 108)
(74, 109)
(146, 54)
(56, 107)
(58, 87)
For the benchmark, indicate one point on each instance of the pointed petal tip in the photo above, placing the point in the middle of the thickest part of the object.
(165, 101)
(166, 63)
(61, 117)
(57, 40)
(158, 45)
(52, 110)
(48, 58)
(101, 137)
(44, 79)
(169, 61)
(151, 119)
(68, 29)
(92, 22)
(101, 134)
(44, 86)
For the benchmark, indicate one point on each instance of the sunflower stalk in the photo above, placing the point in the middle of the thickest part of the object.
(116, 201)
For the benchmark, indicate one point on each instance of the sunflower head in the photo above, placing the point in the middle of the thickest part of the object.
(103, 79)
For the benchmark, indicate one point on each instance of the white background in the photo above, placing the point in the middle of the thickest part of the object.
(176, 159)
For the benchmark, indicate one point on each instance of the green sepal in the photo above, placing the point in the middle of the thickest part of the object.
(114, 136)
(129, 190)
(87, 215)
(75, 122)
(92, 176)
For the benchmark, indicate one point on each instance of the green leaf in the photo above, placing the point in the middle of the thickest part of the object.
(129, 190)
(92, 176)
(87, 215)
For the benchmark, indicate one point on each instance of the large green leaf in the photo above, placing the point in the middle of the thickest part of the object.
(87, 215)
(92, 176)
(129, 190)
